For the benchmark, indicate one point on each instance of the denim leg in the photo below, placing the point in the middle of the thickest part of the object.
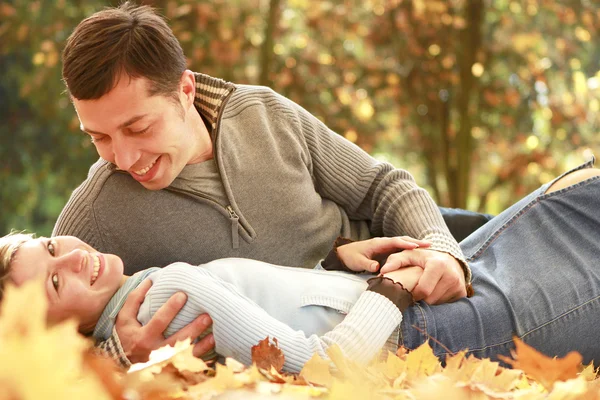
(536, 275)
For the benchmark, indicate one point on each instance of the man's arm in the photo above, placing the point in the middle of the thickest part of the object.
(375, 191)
(140, 340)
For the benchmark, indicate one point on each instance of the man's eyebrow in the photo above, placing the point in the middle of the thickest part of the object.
(125, 124)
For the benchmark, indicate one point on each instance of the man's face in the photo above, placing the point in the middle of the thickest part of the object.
(79, 281)
(150, 137)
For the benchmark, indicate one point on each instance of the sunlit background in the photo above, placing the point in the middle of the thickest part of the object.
(482, 100)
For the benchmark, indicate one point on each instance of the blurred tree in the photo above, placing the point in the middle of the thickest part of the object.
(481, 99)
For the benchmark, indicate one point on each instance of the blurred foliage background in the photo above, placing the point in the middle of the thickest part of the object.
(482, 100)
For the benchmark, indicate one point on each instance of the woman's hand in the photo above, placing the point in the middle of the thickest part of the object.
(443, 278)
(407, 277)
(365, 255)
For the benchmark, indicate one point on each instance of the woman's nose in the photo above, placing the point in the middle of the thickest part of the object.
(73, 261)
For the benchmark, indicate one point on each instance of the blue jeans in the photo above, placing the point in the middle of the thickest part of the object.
(536, 275)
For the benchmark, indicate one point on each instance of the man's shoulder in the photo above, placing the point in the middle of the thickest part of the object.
(98, 175)
(252, 95)
(76, 211)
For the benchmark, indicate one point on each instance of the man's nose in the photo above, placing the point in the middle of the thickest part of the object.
(125, 153)
(73, 261)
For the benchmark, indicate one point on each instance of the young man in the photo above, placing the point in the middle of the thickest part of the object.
(193, 169)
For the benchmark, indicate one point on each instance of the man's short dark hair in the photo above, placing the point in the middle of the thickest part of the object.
(128, 40)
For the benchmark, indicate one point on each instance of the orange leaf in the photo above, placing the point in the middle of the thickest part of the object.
(265, 355)
(542, 368)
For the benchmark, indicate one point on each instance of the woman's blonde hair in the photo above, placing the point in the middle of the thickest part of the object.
(9, 245)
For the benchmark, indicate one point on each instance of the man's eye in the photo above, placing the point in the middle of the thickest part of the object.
(140, 132)
(55, 281)
(51, 247)
(96, 139)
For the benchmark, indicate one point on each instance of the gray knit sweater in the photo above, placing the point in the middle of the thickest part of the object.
(292, 185)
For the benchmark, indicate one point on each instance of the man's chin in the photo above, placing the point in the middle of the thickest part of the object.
(157, 183)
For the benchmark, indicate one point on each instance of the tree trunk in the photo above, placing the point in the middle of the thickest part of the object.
(471, 39)
(266, 51)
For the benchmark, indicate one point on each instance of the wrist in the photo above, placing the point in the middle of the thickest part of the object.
(394, 291)
(333, 261)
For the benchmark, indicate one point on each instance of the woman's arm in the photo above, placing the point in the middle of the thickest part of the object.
(239, 323)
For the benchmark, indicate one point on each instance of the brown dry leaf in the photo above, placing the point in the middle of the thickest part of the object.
(402, 352)
(316, 370)
(542, 368)
(265, 355)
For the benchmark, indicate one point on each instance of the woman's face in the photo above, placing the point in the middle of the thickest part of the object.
(79, 281)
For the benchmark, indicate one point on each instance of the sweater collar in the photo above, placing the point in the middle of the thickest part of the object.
(211, 96)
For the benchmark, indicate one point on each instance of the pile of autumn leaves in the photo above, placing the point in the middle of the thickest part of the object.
(41, 362)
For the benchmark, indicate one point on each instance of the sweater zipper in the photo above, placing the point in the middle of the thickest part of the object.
(233, 217)
(235, 236)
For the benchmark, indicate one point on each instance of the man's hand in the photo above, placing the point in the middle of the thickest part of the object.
(138, 341)
(443, 279)
(365, 254)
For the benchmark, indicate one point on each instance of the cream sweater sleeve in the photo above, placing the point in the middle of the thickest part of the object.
(239, 323)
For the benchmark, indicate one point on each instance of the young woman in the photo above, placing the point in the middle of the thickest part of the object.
(535, 275)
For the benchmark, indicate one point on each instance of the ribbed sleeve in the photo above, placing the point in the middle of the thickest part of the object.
(239, 324)
(112, 348)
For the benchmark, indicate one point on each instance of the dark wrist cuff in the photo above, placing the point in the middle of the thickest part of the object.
(394, 291)
(332, 262)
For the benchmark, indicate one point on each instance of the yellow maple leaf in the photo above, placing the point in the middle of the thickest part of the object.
(421, 361)
(180, 355)
(316, 370)
(589, 373)
(494, 380)
(38, 361)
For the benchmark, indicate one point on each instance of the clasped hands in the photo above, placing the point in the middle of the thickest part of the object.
(430, 275)
(433, 276)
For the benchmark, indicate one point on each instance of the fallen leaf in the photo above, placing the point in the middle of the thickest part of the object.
(542, 368)
(316, 370)
(421, 361)
(265, 355)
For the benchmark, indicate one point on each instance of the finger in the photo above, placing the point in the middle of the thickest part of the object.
(360, 262)
(204, 345)
(165, 314)
(134, 300)
(191, 330)
(403, 259)
(449, 296)
(420, 242)
(388, 245)
(428, 281)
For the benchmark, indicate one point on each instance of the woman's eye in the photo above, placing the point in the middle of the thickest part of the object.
(51, 247)
(55, 281)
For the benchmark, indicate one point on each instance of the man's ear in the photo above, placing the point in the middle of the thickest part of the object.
(187, 87)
